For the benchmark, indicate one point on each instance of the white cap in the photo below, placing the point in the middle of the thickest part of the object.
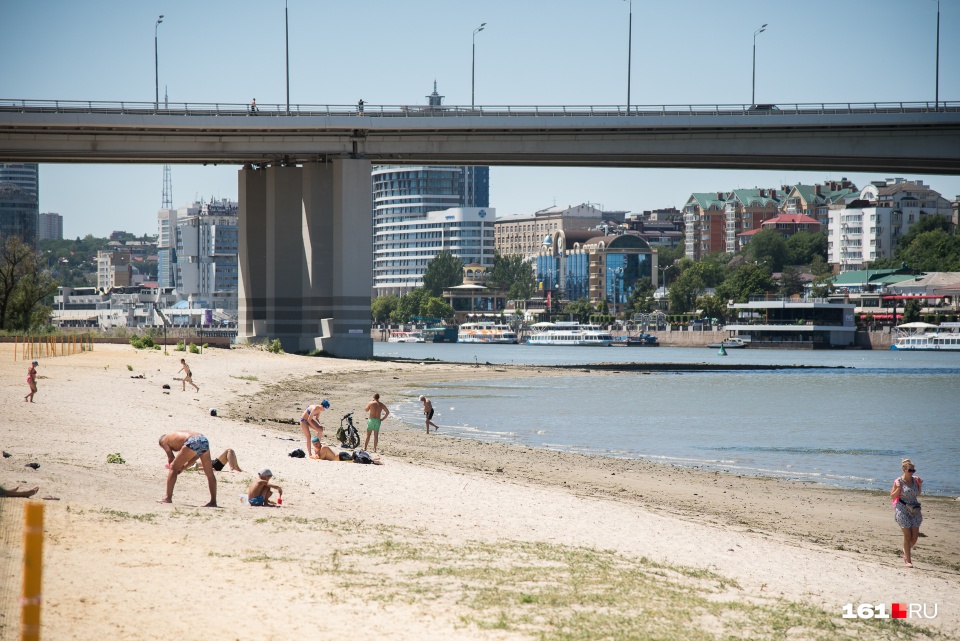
(265, 472)
(422, 397)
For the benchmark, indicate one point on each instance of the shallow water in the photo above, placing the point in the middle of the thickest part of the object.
(845, 427)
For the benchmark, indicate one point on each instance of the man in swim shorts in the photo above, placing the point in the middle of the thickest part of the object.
(187, 375)
(189, 447)
(260, 491)
(428, 412)
(377, 412)
(309, 421)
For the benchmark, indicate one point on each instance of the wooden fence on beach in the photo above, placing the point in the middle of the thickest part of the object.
(27, 348)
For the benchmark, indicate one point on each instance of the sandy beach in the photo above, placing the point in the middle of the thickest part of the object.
(448, 539)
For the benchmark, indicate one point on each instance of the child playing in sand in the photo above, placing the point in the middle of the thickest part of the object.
(260, 491)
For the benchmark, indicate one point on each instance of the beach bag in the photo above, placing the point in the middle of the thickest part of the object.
(341, 434)
(361, 456)
(346, 456)
(296, 453)
(912, 510)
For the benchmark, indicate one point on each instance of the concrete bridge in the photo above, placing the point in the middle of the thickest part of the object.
(304, 186)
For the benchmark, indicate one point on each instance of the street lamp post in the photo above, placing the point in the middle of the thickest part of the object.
(630, 52)
(753, 96)
(156, 66)
(286, 28)
(473, 66)
(937, 94)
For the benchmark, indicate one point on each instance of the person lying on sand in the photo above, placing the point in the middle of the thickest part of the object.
(260, 491)
(325, 453)
(16, 492)
(228, 457)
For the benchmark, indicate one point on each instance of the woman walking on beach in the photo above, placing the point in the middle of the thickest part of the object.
(31, 381)
(906, 507)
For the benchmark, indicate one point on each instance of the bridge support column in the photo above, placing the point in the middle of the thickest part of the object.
(305, 256)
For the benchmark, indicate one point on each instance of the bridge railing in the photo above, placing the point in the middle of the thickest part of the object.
(456, 111)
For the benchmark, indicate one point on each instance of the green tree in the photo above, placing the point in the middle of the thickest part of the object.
(819, 266)
(767, 248)
(822, 285)
(382, 306)
(24, 284)
(932, 251)
(790, 282)
(922, 226)
(580, 309)
(685, 291)
(513, 274)
(445, 270)
(409, 306)
(602, 307)
(911, 311)
(435, 307)
(713, 307)
(748, 280)
(803, 247)
(641, 297)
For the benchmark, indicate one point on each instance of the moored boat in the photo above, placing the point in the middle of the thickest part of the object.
(405, 337)
(570, 333)
(486, 332)
(729, 343)
(912, 337)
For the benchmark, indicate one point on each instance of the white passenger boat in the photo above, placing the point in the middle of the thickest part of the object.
(405, 337)
(486, 332)
(926, 337)
(568, 333)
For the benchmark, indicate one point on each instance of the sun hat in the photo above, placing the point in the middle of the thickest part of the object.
(325, 403)
(265, 472)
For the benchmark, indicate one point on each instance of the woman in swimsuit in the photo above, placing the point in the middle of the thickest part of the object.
(906, 507)
(31, 381)
(309, 421)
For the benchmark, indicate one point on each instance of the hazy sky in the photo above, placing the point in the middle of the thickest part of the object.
(532, 52)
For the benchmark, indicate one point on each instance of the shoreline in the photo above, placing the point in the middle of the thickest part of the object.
(376, 542)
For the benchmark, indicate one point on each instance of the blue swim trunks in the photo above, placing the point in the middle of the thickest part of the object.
(198, 444)
(256, 501)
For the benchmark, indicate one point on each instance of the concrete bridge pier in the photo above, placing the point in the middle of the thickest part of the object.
(305, 256)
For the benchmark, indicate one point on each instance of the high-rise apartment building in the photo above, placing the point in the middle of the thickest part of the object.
(870, 226)
(114, 269)
(50, 227)
(206, 241)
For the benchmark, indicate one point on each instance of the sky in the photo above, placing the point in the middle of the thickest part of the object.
(531, 52)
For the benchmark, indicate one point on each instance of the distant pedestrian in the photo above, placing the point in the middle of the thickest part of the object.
(187, 375)
(360, 107)
(428, 413)
(377, 412)
(253, 107)
(189, 446)
(906, 507)
(31, 381)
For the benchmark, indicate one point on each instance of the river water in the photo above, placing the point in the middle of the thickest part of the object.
(845, 427)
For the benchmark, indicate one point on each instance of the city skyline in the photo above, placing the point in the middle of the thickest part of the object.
(387, 53)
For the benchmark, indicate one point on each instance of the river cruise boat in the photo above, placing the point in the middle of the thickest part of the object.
(926, 337)
(568, 333)
(405, 337)
(729, 343)
(486, 332)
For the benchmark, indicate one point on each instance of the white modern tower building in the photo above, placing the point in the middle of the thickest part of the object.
(403, 248)
(207, 248)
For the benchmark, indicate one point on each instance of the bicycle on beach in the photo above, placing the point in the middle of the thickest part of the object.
(348, 435)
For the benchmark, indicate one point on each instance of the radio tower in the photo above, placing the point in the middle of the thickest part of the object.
(167, 179)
